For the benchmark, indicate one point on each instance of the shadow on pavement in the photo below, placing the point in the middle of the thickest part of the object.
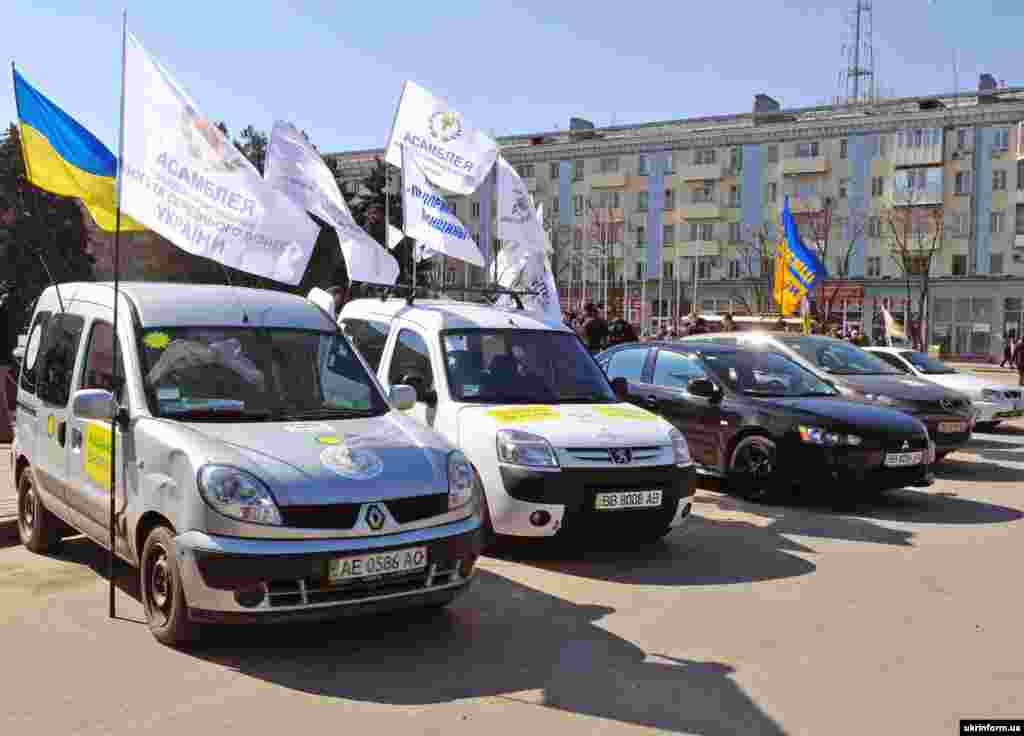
(505, 640)
(83, 551)
(935, 508)
(953, 468)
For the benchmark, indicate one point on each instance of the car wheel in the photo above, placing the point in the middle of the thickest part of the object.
(163, 597)
(38, 529)
(753, 468)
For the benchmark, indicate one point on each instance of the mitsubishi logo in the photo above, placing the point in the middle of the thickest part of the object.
(906, 445)
(620, 455)
(375, 517)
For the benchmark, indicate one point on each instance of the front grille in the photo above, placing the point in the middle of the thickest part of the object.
(345, 515)
(600, 454)
(914, 443)
(1013, 394)
(318, 591)
(945, 406)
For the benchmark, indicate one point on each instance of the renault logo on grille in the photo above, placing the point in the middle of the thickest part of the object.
(621, 455)
(949, 404)
(375, 517)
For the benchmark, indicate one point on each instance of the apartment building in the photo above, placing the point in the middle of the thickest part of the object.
(707, 193)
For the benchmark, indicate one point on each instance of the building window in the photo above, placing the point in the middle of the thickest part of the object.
(734, 232)
(641, 236)
(452, 206)
(640, 269)
(844, 185)
(526, 171)
(609, 200)
(476, 209)
(874, 267)
(735, 196)
(577, 239)
(554, 204)
(578, 204)
(875, 227)
(996, 222)
(702, 231)
(959, 267)
(667, 270)
(642, 167)
(668, 234)
(999, 180)
(964, 138)
(736, 159)
(577, 170)
(670, 163)
(1020, 219)
(1002, 142)
(670, 199)
(554, 170)
(877, 186)
(704, 156)
(771, 154)
(996, 264)
(734, 269)
(806, 149)
(577, 271)
(704, 267)
(963, 182)
(641, 201)
(843, 147)
(773, 191)
(609, 165)
(705, 193)
(961, 225)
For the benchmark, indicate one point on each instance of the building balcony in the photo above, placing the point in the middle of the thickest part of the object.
(916, 155)
(699, 210)
(917, 197)
(1018, 241)
(804, 204)
(531, 183)
(700, 172)
(813, 165)
(607, 181)
(699, 248)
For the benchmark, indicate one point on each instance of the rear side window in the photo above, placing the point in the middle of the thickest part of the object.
(56, 360)
(675, 370)
(99, 369)
(628, 364)
(411, 363)
(369, 337)
(30, 362)
(892, 360)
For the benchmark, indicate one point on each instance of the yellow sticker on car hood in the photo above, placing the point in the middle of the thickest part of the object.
(524, 414)
(625, 412)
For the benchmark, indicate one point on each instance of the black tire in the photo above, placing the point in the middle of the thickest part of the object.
(39, 530)
(940, 456)
(163, 597)
(986, 426)
(753, 469)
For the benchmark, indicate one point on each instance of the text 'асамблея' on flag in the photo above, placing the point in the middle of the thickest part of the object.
(62, 157)
(183, 179)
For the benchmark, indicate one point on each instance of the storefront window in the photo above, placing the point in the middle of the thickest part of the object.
(943, 310)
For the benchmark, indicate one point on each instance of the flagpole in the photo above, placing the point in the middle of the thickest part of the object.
(117, 287)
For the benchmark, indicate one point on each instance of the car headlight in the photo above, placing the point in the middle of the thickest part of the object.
(988, 394)
(882, 399)
(239, 495)
(460, 481)
(523, 448)
(825, 438)
(680, 447)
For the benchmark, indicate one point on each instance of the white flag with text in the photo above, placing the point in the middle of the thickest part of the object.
(183, 179)
(297, 169)
(429, 219)
(453, 154)
(517, 219)
(526, 268)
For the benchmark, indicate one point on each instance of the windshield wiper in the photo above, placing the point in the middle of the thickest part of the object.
(325, 413)
(817, 393)
(225, 414)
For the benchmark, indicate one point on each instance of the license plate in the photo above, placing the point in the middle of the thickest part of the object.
(904, 459)
(952, 427)
(376, 564)
(627, 500)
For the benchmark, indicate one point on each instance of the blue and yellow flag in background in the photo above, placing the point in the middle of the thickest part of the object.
(65, 159)
(797, 267)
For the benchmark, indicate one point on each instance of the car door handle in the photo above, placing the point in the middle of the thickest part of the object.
(76, 438)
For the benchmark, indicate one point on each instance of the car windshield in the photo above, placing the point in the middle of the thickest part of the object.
(522, 366)
(837, 357)
(254, 374)
(926, 363)
(763, 373)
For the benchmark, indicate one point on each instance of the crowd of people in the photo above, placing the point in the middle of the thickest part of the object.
(1013, 354)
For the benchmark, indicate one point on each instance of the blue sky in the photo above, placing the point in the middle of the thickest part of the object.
(335, 69)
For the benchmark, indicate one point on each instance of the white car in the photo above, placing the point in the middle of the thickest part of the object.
(556, 447)
(993, 401)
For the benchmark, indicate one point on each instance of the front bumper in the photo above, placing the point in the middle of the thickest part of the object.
(845, 468)
(947, 441)
(228, 579)
(571, 493)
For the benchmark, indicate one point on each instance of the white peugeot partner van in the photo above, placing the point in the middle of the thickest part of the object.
(262, 473)
(557, 449)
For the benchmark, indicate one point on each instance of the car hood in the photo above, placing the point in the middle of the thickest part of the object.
(572, 425)
(900, 387)
(970, 385)
(333, 461)
(852, 416)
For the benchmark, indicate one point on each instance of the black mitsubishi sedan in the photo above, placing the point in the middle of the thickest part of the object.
(767, 424)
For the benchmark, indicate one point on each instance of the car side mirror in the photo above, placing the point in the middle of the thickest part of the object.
(703, 388)
(94, 403)
(621, 388)
(402, 397)
(419, 385)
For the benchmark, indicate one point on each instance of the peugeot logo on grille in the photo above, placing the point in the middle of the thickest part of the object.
(621, 455)
(375, 517)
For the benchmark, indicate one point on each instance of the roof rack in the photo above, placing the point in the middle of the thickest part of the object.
(411, 291)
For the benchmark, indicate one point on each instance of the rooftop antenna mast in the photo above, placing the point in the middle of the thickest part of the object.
(857, 80)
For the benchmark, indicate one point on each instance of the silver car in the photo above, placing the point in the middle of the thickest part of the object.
(262, 472)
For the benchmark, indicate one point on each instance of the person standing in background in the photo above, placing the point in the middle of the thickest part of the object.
(1007, 350)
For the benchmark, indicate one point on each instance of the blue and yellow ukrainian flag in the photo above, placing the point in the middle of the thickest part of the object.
(797, 267)
(64, 158)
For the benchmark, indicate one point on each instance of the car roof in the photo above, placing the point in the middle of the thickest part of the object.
(168, 305)
(450, 314)
(887, 349)
(694, 346)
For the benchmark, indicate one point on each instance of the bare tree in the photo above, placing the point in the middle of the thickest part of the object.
(834, 237)
(914, 228)
(756, 256)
